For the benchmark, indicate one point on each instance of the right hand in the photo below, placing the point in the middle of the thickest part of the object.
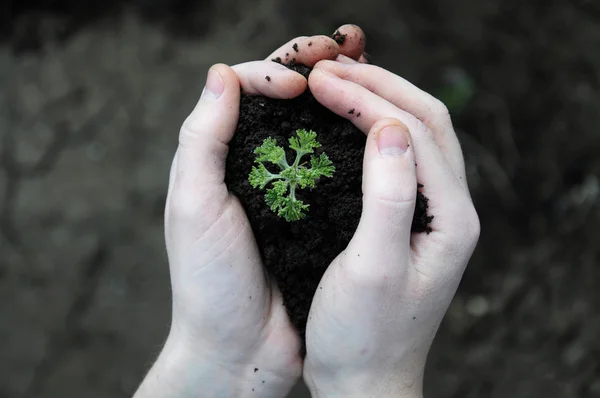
(381, 301)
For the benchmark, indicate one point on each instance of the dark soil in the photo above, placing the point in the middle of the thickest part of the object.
(297, 254)
(339, 37)
(91, 108)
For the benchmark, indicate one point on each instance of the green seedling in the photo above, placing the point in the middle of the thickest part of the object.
(281, 197)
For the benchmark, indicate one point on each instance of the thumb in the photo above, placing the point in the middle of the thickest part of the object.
(205, 134)
(389, 188)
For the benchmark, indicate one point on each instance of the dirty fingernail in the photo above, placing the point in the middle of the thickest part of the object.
(393, 140)
(214, 85)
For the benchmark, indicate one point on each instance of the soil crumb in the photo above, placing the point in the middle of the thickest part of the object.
(339, 37)
(295, 47)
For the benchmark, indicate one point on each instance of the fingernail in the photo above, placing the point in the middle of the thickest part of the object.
(393, 140)
(345, 60)
(214, 85)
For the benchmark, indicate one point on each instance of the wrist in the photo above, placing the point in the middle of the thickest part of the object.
(183, 371)
(346, 393)
(361, 386)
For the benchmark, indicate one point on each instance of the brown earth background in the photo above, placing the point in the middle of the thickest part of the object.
(91, 99)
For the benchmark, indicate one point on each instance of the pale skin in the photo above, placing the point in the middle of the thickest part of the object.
(381, 300)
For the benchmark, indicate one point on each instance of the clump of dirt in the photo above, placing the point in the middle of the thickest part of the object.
(297, 254)
(339, 37)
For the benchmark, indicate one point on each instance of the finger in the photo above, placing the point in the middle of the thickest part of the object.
(306, 50)
(389, 191)
(270, 79)
(205, 134)
(351, 40)
(365, 59)
(413, 100)
(345, 60)
(364, 108)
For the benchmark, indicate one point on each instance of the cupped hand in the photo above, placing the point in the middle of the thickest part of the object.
(230, 334)
(381, 301)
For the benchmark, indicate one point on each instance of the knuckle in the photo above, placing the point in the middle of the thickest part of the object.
(393, 208)
(394, 195)
(183, 202)
(421, 127)
(473, 224)
(439, 116)
(187, 131)
(439, 109)
(466, 229)
(183, 207)
(401, 202)
(363, 275)
(390, 190)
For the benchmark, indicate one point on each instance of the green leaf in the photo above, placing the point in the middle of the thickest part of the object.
(270, 152)
(322, 166)
(274, 197)
(281, 197)
(293, 210)
(306, 177)
(306, 142)
(260, 176)
(289, 174)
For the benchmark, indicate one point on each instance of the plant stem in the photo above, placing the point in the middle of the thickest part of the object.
(293, 190)
(283, 165)
(298, 157)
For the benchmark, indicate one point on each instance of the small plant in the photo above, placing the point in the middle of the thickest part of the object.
(281, 197)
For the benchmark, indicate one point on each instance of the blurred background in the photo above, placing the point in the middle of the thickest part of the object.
(92, 97)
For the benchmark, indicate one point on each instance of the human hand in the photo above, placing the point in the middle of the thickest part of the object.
(381, 301)
(230, 334)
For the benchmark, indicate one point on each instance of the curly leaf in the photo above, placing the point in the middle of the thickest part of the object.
(275, 197)
(281, 197)
(306, 178)
(322, 166)
(270, 152)
(260, 176)
(306, 142)
(293, 210)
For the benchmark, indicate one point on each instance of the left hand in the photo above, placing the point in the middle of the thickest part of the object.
(382, 299)
(230, 334)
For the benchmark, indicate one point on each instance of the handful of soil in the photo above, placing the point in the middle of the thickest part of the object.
(297, 253)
